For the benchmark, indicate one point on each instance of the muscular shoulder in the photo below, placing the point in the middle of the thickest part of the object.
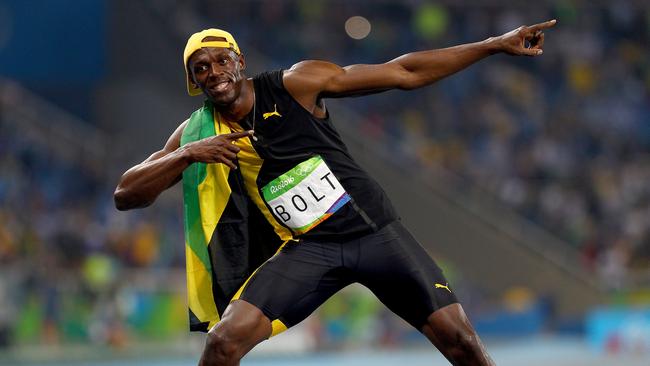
(311, 76)
(314, 69)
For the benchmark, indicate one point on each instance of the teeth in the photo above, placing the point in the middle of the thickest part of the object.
(222, 85)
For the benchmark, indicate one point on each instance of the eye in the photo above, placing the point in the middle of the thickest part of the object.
(223, 61)
(200, 68)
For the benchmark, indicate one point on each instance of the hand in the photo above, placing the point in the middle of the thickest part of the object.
(216, 149)
(514, 42)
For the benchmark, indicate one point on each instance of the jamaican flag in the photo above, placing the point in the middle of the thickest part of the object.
(226, 236)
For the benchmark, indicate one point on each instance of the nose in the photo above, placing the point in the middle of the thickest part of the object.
(214, 69)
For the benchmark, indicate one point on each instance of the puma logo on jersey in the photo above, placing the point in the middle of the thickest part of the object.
(274, 113)
(445, 286)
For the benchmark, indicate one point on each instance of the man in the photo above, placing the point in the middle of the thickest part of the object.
(266, 146)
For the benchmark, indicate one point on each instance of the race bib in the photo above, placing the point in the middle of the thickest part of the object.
(305, 196)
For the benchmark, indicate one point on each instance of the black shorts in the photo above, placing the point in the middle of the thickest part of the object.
(390, 262)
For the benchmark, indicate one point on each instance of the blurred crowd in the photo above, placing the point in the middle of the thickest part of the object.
(562, 139)
(65, 252)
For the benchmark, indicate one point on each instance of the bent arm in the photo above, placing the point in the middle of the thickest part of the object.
(142, 184)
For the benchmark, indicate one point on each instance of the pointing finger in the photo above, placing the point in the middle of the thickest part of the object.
(237, 135)
(541, 26)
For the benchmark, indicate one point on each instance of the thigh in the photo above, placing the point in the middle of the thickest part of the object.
(395, 267)
(294, 282)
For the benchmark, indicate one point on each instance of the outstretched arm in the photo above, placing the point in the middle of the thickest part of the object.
(309, 81)
(142, 184)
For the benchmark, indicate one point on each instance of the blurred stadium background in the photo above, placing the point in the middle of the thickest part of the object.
(527, 178)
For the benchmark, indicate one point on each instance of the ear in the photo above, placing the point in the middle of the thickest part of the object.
(190, 75)
(190, 79)
(242, 62)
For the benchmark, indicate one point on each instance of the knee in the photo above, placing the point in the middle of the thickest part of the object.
(450, 330)
(229, 341)
(462, 345)
(222, 345)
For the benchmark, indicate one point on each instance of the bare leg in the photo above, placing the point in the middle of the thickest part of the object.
(241, 328)
(451, 332)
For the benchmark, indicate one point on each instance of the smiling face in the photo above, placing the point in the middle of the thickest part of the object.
(218, 72)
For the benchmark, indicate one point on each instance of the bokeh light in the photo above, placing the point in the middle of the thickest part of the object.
(357, 27)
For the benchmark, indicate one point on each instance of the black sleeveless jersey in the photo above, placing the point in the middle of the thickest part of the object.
(296, 162)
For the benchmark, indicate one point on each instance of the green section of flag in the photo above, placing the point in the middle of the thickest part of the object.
(290, 179)
(200, 126)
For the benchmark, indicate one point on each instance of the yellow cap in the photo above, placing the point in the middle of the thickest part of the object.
(196, 42)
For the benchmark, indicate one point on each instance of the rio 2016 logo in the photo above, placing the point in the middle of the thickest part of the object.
(285, 182)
